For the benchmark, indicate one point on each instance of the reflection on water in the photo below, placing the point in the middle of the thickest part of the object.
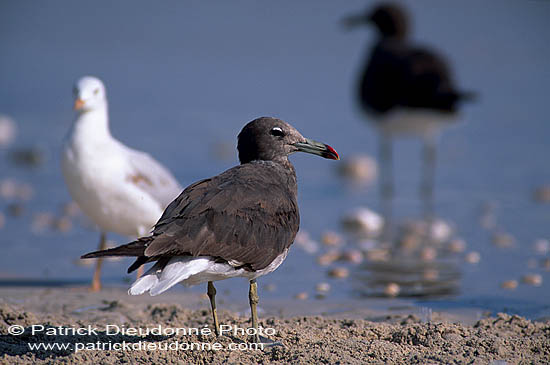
(408, 278)
(421, 261)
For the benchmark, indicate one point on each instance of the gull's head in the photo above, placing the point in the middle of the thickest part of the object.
(89, 94)
(270, 139)
(391, 20)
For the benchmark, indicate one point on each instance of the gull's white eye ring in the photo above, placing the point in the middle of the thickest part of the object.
(277, 131)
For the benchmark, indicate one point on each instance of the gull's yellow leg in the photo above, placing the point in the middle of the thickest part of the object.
(212, 295)
(96, 281)
(254, 299)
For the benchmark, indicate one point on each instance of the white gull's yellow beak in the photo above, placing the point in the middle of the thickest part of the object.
(78, 104)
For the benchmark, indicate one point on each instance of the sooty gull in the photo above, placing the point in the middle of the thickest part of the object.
(239, 223)
(406, 90)
(120, 189)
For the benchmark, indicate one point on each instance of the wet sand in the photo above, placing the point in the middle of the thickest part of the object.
(116, 328)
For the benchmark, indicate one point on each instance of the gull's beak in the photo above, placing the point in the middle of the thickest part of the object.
(354, 21)
(317, 148)
(78, 104)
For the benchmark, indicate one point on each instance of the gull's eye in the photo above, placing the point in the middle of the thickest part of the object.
(96, 91)
(278, 132)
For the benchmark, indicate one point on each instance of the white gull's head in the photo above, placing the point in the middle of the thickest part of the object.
(89, 94)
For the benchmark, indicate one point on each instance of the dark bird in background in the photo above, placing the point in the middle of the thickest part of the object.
(406, 90)
(239, 223)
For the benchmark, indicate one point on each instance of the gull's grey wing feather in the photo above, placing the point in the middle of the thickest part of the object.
(153, 178)
(248, 214)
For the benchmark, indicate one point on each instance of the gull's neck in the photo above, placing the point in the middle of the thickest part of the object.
(285, 170)
(92, 125)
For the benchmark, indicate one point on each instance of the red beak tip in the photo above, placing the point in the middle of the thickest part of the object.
(333, 154)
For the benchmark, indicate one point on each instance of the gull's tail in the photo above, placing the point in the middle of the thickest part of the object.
(167, 273)
(136, 248)
(132, 249)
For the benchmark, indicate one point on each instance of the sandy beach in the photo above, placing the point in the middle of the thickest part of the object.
(111, 327)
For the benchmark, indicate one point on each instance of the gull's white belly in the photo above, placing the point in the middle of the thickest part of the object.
(99, 185)
(413, 122)
(222, 271)
(189, 270)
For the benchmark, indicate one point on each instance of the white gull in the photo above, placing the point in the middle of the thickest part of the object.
(120, 189)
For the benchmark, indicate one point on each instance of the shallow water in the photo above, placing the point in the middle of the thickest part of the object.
(187, 76)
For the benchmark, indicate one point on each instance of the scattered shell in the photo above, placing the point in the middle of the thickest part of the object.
(504, 240)
(8, 130)
(378, 255)
(428, 254)
(304, 241)
(322, 287)
(352, 256)
(532, 279)
(363, 221)
(12, 189)
(311, 247)
(328, 258)
(63, 224)
(457, 245)
(301, 237)
(542, 194)
(8, 188)
(338, 273)
(270, 287)
(16, 209)
(331, 238)
(392, 290)
(473, 257)
(301, 296)
(42, 221)
(360, 168)
(441, 231)
(410, 241)
(541, 246)
(546, 264)
(509, 284)
(430, 275)
(71, 209)
(488, 221)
